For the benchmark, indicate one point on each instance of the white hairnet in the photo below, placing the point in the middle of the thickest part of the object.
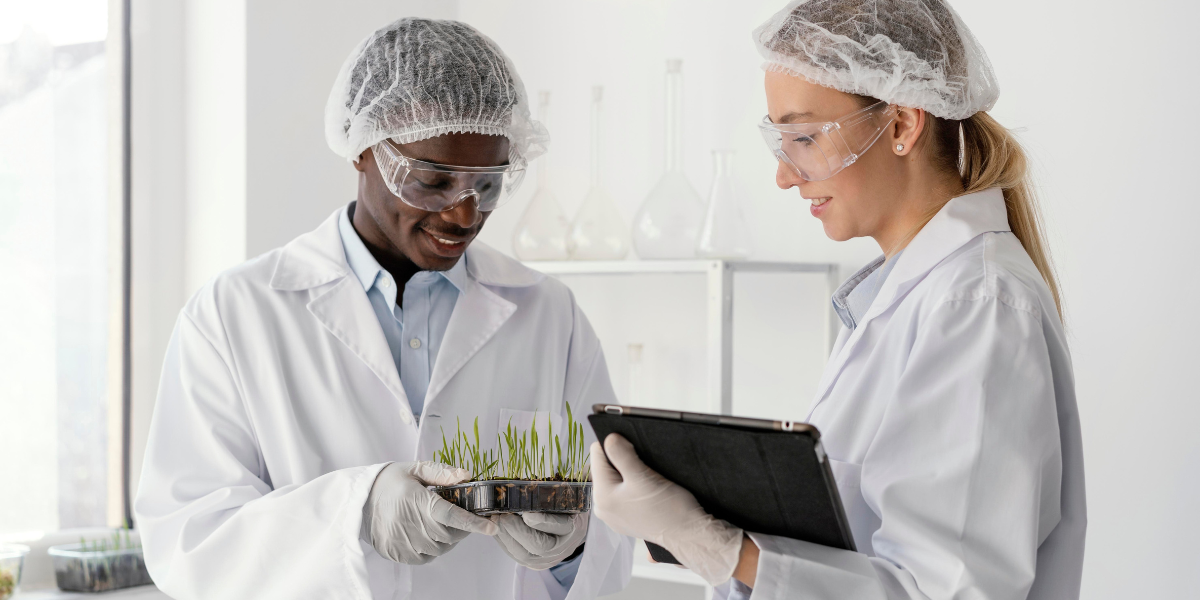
(913, 53)
(419, 78)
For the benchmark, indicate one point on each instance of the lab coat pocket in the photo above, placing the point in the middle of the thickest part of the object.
(863, 521)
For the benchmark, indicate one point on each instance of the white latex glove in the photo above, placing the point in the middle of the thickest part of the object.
(634, 500)
(409, 523)
(540, 540)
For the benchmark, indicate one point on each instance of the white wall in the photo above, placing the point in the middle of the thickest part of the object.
(1100, 92)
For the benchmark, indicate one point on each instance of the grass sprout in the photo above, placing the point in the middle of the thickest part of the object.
(520, 454)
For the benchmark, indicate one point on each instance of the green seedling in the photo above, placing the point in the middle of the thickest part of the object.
(520, 454)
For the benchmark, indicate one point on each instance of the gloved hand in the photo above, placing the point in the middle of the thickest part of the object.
(540, 540)
(410, 524)
(634, 500)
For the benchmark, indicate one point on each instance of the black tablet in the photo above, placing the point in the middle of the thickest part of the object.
(768, 477)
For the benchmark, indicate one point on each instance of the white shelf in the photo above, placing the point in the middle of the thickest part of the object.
(720, 285)
(628, 267)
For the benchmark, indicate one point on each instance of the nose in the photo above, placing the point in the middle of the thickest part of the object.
(466, 213)
(786, 177)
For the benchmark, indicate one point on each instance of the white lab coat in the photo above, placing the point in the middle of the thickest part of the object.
(949, 416)
(280, 403)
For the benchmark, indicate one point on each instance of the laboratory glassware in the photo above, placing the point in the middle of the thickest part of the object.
(668, 222)
(12, 564)
(818, 151)
(435, 187)
(541, 234)
(724, 234)
(598, 232)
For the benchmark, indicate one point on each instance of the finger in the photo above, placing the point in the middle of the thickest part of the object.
(604, 476)
(457, 517)
(435, 473)
(512, 547)
(535, 542)
(550, 523)
(623, 457)
(443, 534)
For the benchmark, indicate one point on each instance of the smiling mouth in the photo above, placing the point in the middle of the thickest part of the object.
(441, 238)
(818, 201)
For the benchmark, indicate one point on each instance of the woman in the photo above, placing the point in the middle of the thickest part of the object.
(947, 407)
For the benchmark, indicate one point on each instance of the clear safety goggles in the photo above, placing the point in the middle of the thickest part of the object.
(436, 188)
(819, 151)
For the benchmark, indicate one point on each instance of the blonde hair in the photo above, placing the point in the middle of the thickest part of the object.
(991, 157)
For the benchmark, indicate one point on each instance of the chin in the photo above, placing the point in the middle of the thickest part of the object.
(835, 233)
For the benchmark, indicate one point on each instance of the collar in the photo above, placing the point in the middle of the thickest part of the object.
(319, 257)
(961, 220)
(364, 266)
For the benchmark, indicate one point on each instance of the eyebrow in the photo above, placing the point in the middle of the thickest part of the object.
(792, 117)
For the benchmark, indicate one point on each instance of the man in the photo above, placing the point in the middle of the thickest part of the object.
(300, 387)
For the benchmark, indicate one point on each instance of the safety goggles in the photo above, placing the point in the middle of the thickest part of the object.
(820, 150)
(436, 188)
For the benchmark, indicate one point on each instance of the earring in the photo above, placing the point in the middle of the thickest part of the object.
(899, 147)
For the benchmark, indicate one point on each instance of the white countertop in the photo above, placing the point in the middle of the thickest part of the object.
(144, 592)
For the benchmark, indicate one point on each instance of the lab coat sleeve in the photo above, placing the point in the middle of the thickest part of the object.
(212, 525)
(607, 560)
(964, 471)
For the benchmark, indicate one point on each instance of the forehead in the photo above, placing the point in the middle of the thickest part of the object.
(460, 149)
(793, 99)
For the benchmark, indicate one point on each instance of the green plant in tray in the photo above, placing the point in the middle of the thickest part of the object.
(8, 583)
(520, 454)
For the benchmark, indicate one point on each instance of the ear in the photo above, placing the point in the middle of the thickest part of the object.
(910, 122)
(360, 163)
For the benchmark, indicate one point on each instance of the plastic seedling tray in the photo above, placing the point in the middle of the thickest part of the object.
(12, 562)
(79, 570)
(497, 496)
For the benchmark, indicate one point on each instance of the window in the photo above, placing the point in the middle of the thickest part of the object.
(61, 232)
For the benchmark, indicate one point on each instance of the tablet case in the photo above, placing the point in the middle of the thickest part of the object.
(771, 482)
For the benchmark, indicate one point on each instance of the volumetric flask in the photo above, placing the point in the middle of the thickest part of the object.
(598, 231)
(541, 234)
(668, 222)
(724, 234)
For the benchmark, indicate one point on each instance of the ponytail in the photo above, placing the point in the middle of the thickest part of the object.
(992, 157)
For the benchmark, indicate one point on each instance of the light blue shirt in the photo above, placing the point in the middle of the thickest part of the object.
(414, 333)
(852, 300)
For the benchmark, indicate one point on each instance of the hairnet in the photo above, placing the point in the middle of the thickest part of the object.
(419, 78)
(913, 53)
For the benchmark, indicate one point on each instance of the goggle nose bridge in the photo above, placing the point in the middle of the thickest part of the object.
(462, 197)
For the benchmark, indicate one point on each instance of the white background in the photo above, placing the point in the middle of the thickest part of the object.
(230, 162)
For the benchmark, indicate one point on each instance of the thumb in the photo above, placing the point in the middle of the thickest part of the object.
(603, 474)
(435, 473)
(623, 457)
(459, 518)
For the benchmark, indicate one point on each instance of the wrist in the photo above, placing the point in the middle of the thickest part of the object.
(711, 549)
(747, 567)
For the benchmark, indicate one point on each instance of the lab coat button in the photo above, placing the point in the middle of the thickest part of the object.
(414, 343)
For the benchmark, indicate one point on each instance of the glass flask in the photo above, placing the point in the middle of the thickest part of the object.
(598, 231)
(541, 234)
(668, 223)
(724, 233)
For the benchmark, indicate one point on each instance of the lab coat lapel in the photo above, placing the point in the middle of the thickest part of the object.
(345, 312)
(478, 315)
(961, 220)
(316, 261)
